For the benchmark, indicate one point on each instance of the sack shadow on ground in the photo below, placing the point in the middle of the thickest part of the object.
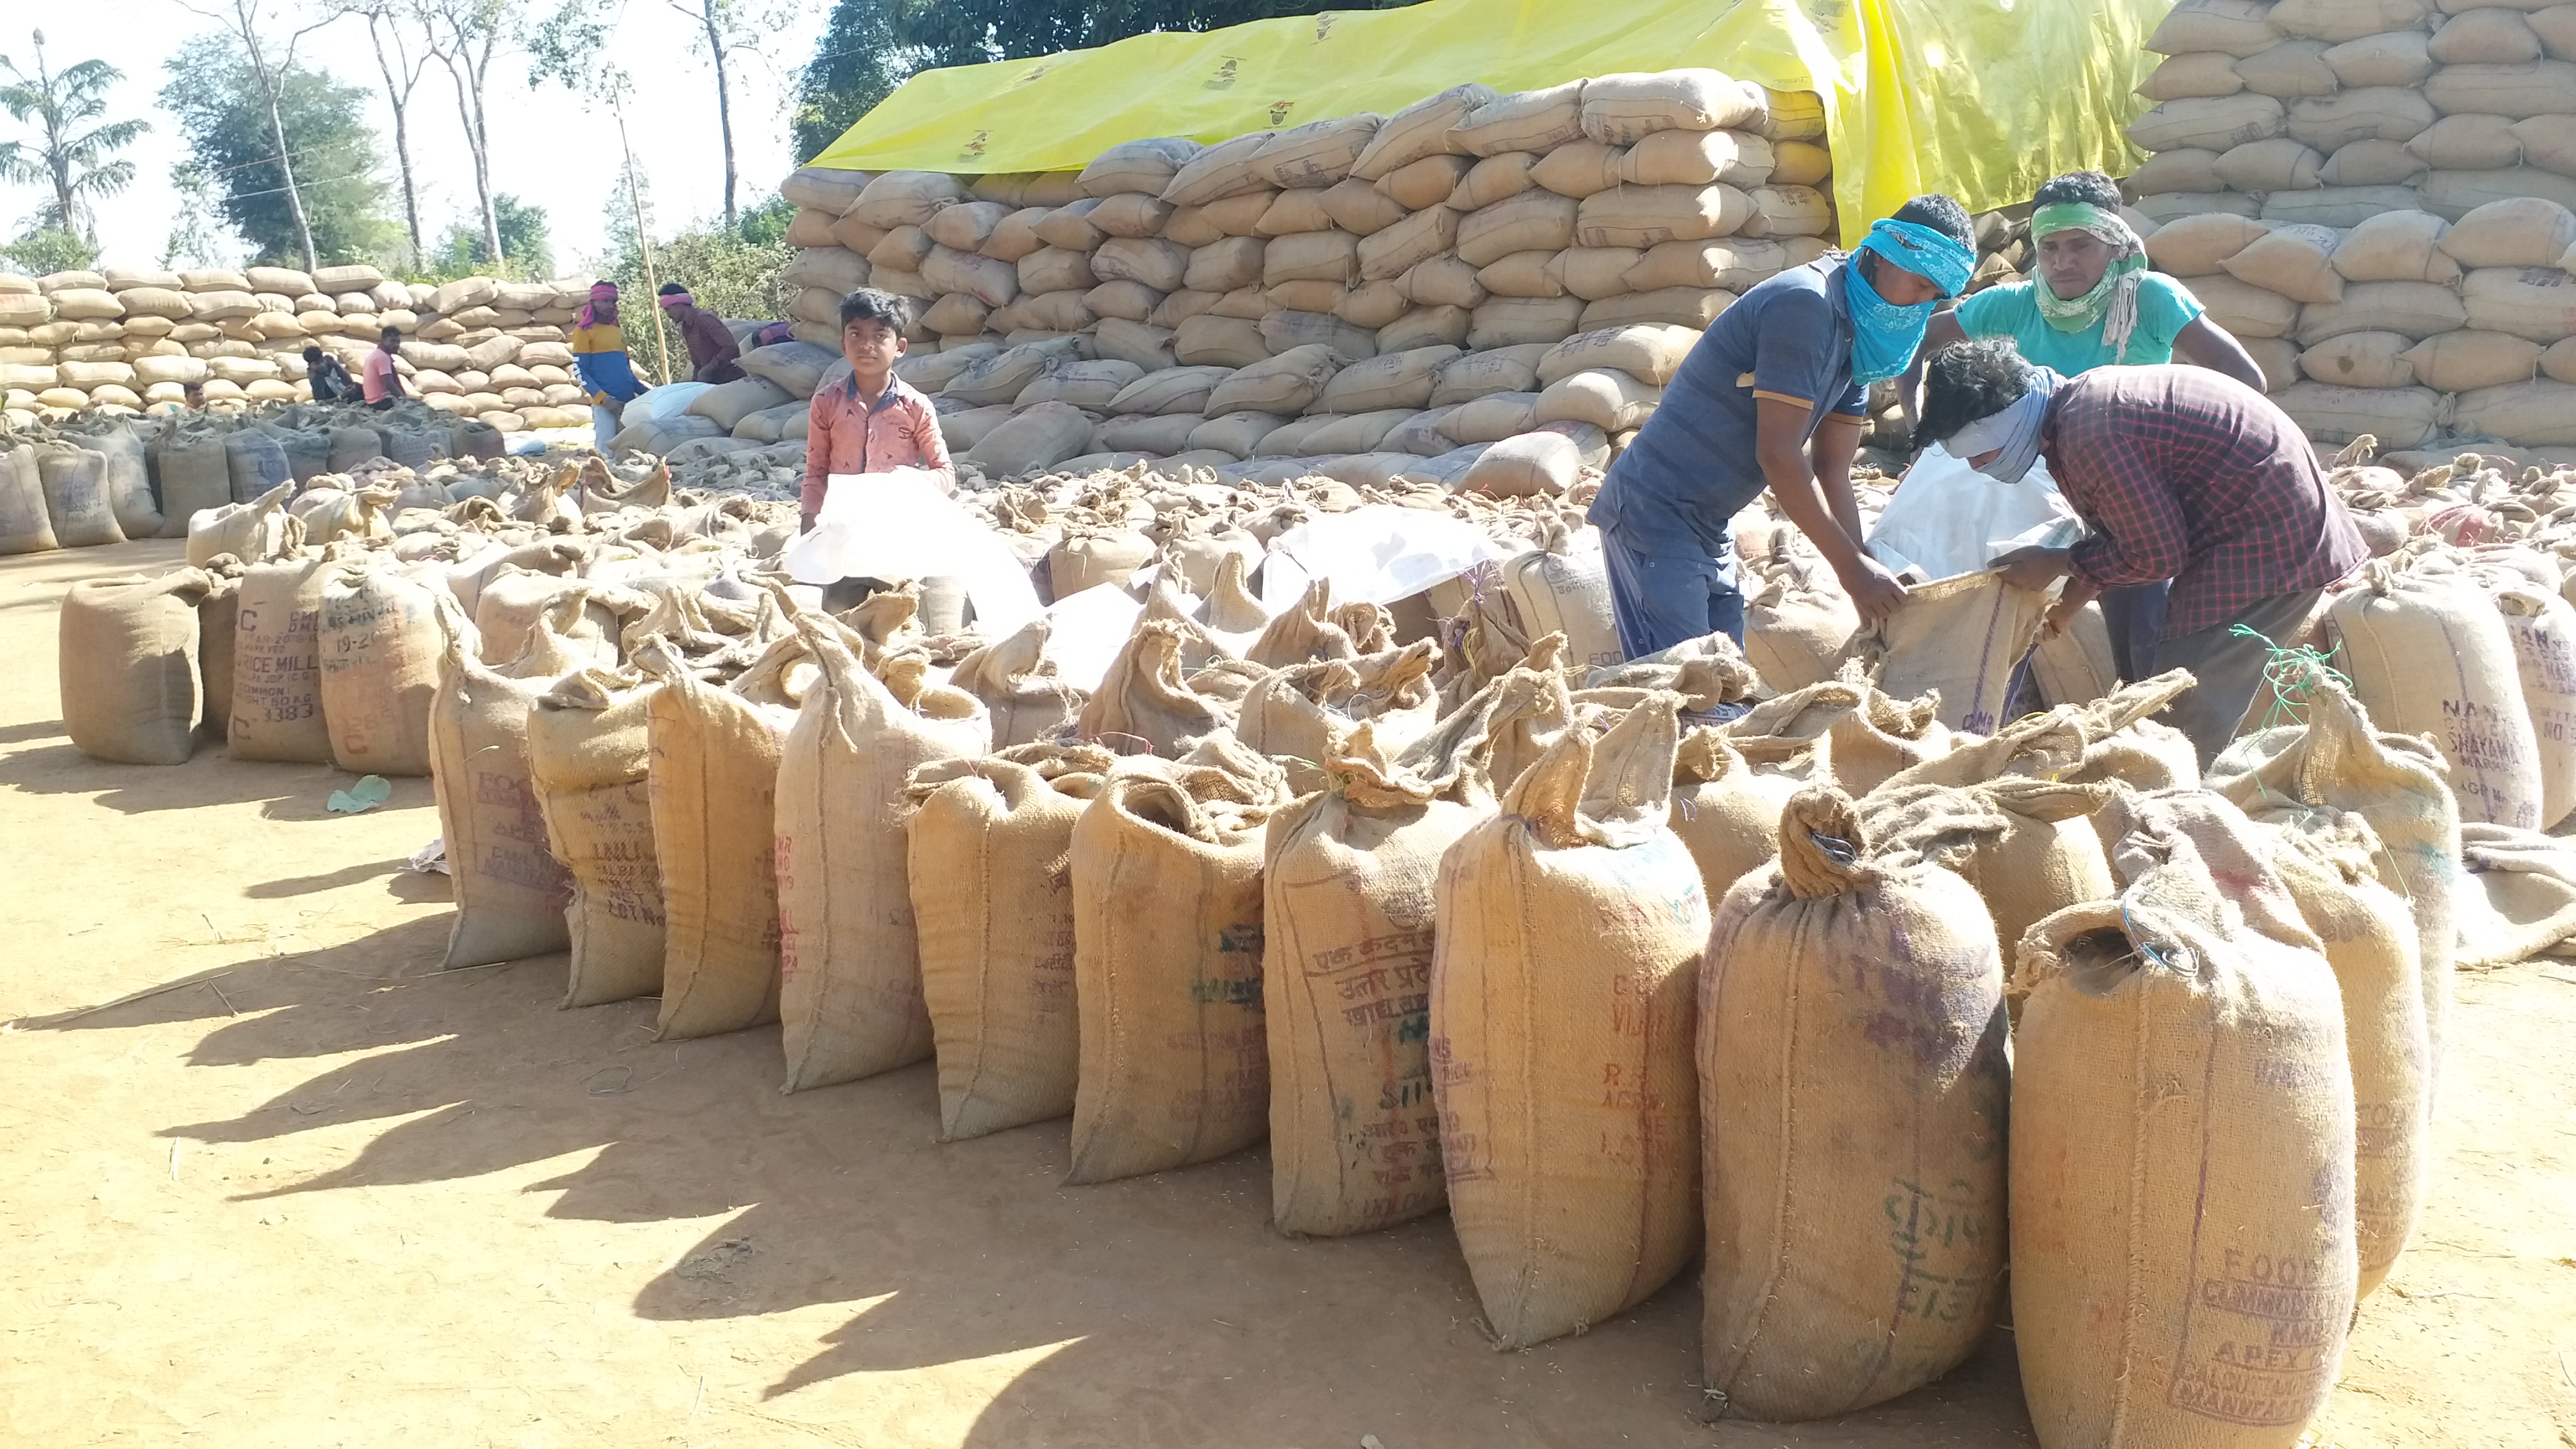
(289, 791)
(1161, 1309)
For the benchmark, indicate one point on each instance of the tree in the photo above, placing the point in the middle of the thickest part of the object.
(230, 121)
(855, 65)
(192, 229)
(266, 32)
(569, 45)
(526, 247)
(467, 36)
(50, 249)
(72, 150)
(402, 70)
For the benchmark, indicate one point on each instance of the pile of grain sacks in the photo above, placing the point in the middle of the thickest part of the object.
(1448, 914)
(1375, 298)
(119, 340)
(2374, 198)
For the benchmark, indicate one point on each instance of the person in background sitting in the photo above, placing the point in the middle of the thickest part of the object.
(2180, 473)
(714, 355)
(330, 380)
(599, 360)
(870, 421)
(2094, 304)
(380, 377)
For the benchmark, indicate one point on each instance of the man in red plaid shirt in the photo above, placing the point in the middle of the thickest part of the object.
(2178, 473)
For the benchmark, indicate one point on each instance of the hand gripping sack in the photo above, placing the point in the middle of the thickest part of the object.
(2395, 784)
(989, 855)
(1347, 911)
(2182, 1168)
(510, 891)
(380, 646)
(713, 786)
(1851, 1053)
(1567, 937)
(132, 692)
(2327, 859)
(1167, 972)
(1961, 637)
(589, 753)
(849, 956)
(276, 709)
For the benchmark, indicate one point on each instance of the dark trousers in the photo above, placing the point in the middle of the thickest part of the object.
(1660, 602)
(2136, 615)
(2228, 668)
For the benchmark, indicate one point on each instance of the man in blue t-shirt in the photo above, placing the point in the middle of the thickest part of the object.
(1773, 394)
(2094, 304)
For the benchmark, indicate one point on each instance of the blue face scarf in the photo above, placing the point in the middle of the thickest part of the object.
(1885, 336)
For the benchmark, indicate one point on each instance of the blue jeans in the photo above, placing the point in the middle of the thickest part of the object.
(603, 422)
(1660, 602)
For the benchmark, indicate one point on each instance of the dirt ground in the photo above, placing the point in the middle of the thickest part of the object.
(321, 1193)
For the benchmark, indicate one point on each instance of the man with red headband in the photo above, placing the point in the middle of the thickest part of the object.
(714, 355)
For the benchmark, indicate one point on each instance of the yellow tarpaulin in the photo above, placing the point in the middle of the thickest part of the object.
(1983, 99)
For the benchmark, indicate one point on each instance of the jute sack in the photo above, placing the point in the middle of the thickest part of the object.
(2542, 627)
(194, 476)
(1143, 705)
(510, 891)
(275, 712)
(1866, 736)
(1167, 972)
(131, 689)
(849, 956)
(1563, 587)
(218, 628)
(1727, 809)
(2389, 628)
(589, 753)
(1960, 637)
(989, 858)
(1293, 714)
(2328, 863)
(2395, 783)
(1347, 917)
(713, 786)
(2199, 1295)
(1851, 1050)
(1302, 631)
(76, 496)
(1799, 625)
(253, 532)
(2049, 856)
(380, 648)
(1567, 935)
(1016, 682)
(1500, 730)
(2121, 744)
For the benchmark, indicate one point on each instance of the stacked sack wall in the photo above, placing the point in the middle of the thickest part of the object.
(120, 340)
(2374, 199)
(1376, 299)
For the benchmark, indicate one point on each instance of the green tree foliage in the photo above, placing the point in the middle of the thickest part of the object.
(193, 240)
(216, 99)
(527, 249)
(869, 46)
(49, 249)
(73, 153)
(731, 271)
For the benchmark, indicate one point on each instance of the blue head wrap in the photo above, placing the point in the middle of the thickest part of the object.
(1884, 335)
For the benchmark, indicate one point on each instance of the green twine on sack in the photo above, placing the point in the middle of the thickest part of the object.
(2291, 671)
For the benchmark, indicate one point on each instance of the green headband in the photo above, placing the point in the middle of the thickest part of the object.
(2074, 216)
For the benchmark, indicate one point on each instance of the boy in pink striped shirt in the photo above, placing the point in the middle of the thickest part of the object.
(872, 420)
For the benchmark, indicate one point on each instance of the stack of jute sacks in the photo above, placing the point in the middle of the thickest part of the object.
(1371, 297)
(2373, 197)
(121, 340)
(762, 411)
(1450, 916)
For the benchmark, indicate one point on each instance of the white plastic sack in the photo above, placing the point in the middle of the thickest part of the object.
(1947, 518)
(661, 404)
(1086, 631)
(1375, 555)
(898, 525)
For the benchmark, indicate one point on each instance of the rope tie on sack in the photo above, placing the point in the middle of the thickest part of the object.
(2292, 673)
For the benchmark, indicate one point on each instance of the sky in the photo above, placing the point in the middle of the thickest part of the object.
(547, 147)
